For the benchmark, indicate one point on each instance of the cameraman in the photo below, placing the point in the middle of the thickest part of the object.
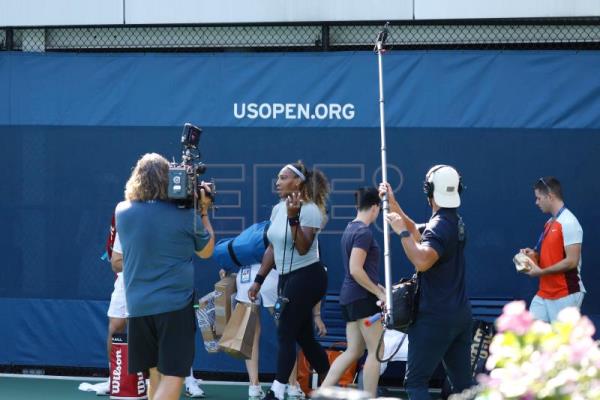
(158, 241)
(442, 329)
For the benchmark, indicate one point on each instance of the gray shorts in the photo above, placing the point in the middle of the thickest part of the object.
(547, 310)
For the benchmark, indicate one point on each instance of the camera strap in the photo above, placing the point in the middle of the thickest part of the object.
(282, 287)
(196, 212)
(547, 227)
(462, 230)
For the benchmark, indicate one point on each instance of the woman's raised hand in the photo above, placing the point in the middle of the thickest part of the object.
(293, 203)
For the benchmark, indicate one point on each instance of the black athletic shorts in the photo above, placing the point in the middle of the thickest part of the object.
(165, 341)
(360, 309)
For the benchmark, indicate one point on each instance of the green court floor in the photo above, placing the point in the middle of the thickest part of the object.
(25, 388)
(58, 388)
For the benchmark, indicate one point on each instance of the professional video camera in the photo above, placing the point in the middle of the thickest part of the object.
(184, 177)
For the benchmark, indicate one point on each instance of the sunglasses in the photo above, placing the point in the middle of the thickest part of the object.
(545, 184)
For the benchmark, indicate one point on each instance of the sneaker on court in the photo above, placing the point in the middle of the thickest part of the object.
(255, 392)
(103, 388)
(192, 389)
(295, 392)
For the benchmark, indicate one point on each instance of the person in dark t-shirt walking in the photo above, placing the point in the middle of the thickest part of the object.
(360, 292)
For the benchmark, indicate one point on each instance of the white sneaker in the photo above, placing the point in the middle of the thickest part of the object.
(295, 392)
(255, 391)
(102, 389)
(192, 389)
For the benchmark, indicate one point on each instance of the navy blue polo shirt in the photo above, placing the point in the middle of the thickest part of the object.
(443, 285)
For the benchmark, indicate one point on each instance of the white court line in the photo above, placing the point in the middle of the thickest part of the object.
(62, 378)
(96, 379)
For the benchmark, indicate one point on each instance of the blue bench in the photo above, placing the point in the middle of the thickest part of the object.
(331, 313)
(487, 308)
(484, 308)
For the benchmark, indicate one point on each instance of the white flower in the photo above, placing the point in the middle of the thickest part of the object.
(540, 328)
(569, 315)
(514, 308)
(584, 328)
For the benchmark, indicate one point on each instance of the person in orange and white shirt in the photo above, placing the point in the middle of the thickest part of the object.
(556, 259)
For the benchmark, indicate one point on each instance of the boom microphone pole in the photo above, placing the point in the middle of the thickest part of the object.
(379, 43)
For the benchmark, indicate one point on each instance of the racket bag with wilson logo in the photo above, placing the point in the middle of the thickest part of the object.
(124, 385)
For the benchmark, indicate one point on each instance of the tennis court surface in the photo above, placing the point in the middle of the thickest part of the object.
(24, 387)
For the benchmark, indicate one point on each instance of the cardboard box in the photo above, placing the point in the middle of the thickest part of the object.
(224, 289)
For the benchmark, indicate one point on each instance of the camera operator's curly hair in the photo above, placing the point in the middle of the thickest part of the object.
(149, 179)
(316, 186)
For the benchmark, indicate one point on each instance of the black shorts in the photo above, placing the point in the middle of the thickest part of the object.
(165, 341)
(361, 309)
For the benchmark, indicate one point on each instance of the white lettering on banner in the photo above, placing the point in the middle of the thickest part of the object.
(289, 111)
(306, 111)
(141, 384)
(343, 181)
(242, 188)
(303, 111)
(278, 108)
(264, 111)
(229, 180)
(321, 111)
(116, 381)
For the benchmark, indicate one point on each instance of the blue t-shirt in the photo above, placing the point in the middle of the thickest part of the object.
(443, 285)
(359, 235)
(158, 242)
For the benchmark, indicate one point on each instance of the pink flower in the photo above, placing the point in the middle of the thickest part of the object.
(584, 328)
(515, 318)
(579, 350)
(531, 360)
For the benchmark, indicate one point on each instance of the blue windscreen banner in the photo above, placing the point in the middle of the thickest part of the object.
(73, 125)
(423, 89)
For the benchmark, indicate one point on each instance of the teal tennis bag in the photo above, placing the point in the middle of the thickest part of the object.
(245, 249)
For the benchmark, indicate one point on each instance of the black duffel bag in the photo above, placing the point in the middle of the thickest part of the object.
(405, 303)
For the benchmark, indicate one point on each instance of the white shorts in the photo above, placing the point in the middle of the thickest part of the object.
(391, 340)
(268, 290)
(118, 304)
(547, 310)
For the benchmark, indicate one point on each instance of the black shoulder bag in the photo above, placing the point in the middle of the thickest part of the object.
(405, 303)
